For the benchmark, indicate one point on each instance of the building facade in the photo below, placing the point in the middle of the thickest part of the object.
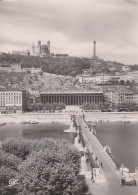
(122, 96)
(42, 50)
(71, 98)
(97, 79)
(13, 101)
(11, 67)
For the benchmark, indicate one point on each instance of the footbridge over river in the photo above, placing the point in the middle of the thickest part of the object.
(109, 173)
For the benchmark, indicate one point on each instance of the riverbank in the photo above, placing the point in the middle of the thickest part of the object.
(35, 117)
(65, 117)
(125, 117)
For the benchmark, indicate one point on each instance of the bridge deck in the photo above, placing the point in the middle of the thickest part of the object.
(112, 176)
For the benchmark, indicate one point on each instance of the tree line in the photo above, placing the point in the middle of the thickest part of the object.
(109, 106)
(46, 166)
(62, 66)
(49, 107)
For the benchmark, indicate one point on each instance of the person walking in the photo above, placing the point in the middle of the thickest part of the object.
(92, 176)
(117, 167)
(101, 165)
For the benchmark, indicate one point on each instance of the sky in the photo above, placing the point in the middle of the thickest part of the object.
(72, 26)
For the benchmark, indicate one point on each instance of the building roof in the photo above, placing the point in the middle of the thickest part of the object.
(9, 90)
(69, 92)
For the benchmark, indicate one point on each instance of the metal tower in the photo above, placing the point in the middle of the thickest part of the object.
(94, 49)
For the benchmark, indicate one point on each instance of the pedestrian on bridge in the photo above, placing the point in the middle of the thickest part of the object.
(92, 176)
(101, 165)
(117, 167)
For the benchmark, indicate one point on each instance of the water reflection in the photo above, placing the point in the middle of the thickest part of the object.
(54, 130)
(123, 140)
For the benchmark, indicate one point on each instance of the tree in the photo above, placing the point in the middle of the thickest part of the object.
(127, 82)
(47, 106)
(127, 106)
(46, 166)
(41, 73)
(60, 106)
(122, 82)
(6, 174)
(54, 106)
(85, 106)
(89, 106)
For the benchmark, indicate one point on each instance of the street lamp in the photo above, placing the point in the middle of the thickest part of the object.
(122, 169)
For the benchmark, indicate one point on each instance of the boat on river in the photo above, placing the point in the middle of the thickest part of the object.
(1, 124)
(34, 122)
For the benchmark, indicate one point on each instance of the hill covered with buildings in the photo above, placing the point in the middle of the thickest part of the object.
(117, 81)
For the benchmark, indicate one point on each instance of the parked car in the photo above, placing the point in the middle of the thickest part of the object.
(129, 181)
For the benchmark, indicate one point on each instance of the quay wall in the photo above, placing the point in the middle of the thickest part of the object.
(111, 116)
(39, 117)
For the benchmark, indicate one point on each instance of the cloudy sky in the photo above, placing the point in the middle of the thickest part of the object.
(71, 26)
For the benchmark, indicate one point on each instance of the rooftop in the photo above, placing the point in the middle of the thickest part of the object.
(70, 92)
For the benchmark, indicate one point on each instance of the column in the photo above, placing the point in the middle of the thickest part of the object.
(77, 102)
(72, 99)
(86, 98)
(41, 99)
(98, 98)
(94, 98)
(76, 99)
(90, 98)
(81, 99)
(67, 98)
(61, 98)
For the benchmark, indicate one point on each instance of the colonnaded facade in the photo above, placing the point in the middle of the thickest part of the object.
(71, 98)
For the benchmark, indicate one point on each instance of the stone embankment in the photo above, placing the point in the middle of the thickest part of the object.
(102, 117)
(37, 117)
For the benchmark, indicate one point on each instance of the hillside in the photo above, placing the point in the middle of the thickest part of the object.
(35, 81)
(70, 66)
(56, 74)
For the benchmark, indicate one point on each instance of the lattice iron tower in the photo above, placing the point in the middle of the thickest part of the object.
(94, 49)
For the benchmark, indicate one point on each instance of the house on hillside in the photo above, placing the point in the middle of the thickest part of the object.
(11, 67)
(32, 69)
(126, 68)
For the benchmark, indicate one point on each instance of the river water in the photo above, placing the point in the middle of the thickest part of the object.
(123, 141)
(36, 131)
(121, 137)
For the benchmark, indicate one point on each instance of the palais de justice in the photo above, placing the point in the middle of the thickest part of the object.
(72, 98)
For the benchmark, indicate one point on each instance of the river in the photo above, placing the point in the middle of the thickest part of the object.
(123, 140)
(122, 137)
(36, 131)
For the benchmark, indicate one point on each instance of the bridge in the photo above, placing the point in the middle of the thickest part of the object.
(109, 173)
